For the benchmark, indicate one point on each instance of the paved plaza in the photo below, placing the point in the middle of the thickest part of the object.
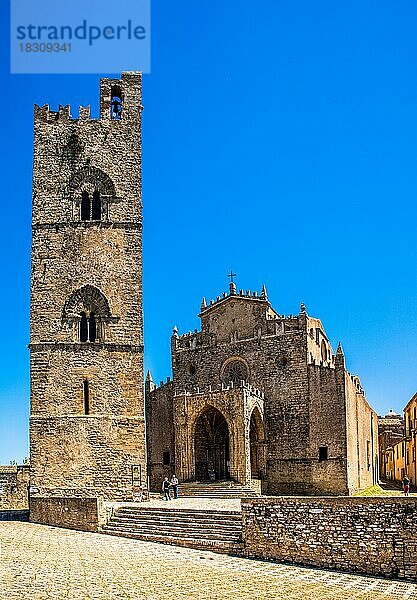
(46, 563)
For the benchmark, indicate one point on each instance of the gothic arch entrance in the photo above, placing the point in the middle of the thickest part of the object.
(257, 445)
(211, 446)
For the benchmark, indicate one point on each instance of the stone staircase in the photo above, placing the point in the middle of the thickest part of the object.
(219, 531)
(217, 489)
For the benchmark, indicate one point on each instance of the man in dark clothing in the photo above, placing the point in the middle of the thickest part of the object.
(165, 489)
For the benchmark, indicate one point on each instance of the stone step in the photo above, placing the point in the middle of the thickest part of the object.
(220, 531)
(195, 515)
(180, 531)
(201, 524)
(215, 490)
(219, 495)
(231, 536)
(234, 548)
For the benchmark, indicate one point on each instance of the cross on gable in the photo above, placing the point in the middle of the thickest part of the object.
(231, 275)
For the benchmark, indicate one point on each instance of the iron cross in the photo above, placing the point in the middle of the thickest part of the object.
(231, 275)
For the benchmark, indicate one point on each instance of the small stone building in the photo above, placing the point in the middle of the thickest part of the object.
(260, 398)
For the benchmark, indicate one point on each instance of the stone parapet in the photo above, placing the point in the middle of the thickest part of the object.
(14, 482)
(84, 514)
(375, 536)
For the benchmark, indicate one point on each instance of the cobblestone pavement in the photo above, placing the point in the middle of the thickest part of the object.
(46, 563)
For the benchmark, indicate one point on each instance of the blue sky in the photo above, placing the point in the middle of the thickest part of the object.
(280, 140)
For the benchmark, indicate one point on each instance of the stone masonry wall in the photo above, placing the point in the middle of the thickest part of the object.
(327, 429)
(375, 536)
(362, 436)
(313, 443)
(14, 482)
(84, 514)
(276, 357)
(160, 435)
(304, 407)
(81, 266)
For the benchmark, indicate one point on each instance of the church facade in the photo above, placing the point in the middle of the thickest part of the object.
(260, 398)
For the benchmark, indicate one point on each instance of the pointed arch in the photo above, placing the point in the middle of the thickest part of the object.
(257, 444)
(211, 436)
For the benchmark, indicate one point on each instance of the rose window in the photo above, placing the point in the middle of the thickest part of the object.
(236, 371)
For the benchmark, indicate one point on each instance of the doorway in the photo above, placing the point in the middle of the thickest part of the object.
(211, 446)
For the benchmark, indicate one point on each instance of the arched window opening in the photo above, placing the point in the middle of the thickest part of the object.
(89, 309)
(83, 328)
(96, 207)
(86, 397)
(92, 333)
(85, 207)
(91, 207)
(116, 103)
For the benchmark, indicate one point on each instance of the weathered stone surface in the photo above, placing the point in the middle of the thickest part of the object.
(309, 403)
(14, 483)
(87, 411)
(84, 514)
(366, 535)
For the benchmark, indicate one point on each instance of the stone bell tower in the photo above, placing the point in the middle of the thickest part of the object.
(87, 431)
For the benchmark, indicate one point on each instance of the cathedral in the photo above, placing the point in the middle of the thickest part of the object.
(261, 399)
(256, 397)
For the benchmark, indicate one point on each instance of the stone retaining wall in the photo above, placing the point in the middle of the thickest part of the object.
(14, 482)
(375, 536)
(85, 514)
(14, 515)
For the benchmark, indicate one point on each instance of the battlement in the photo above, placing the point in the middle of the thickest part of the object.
(118, 97)
(221, 387)
(276, 327)
(242, 294)
(356, 382)
(63, 114)
(208, 389)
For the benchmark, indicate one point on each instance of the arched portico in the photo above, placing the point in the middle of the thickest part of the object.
(212, 433)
